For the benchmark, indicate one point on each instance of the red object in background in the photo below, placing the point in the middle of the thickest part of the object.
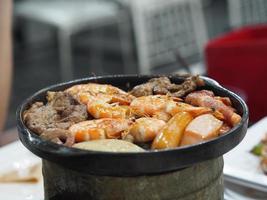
(238, 61)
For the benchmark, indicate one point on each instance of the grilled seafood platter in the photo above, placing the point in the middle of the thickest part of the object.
(154, 115)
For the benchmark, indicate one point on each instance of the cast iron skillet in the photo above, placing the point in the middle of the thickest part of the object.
(132, 164)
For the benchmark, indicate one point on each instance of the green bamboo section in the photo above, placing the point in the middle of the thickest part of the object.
(202, 181)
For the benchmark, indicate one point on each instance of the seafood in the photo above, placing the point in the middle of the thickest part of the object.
(104, 110)
(144, 129)
(171, 134)
(163, 107)
(102, 100)
(150, 105)
(206, 98)
(194, 111)
(152, 115)
(99, 129)
(162, 116)
(90, 92)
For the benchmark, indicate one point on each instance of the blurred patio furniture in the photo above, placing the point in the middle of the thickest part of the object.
(71, 17)
(164, 27)
(245, 12)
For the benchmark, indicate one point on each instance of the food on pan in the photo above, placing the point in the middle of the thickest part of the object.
(111, 145)
(261, 150)
(201, 128)
(90, 92)
(59, 136)
(206, 98)
(106, 128)
(163, 107)
(163, 85)
(60, 112)
(154, 115)
(171, 134)
(144, 129)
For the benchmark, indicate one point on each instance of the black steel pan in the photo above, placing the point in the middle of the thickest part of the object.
(132, 164)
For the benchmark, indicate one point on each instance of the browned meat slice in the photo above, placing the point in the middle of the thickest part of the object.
(74, 114)
(60, 100)
(61, 111)
(67, 107)
(189, 85)
(40, 117)
(146, 89)
(163, 85)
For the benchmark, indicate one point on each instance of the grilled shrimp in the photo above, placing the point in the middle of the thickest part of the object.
(207, 99)
(151, 105)
(90, 92)
(106, 128)
(144, 129)
(163, 107)
(184, 107)
(104, 110)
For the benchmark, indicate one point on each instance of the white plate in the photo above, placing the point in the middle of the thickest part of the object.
(14, 156)
(242, 167)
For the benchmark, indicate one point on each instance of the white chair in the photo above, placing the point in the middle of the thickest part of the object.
(70, 17)
(162, 27)
(245, 12)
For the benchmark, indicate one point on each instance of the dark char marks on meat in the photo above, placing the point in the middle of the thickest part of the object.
(52, 120)
(163, 85)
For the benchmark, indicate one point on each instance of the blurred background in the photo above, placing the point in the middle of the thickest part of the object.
(60, 40)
